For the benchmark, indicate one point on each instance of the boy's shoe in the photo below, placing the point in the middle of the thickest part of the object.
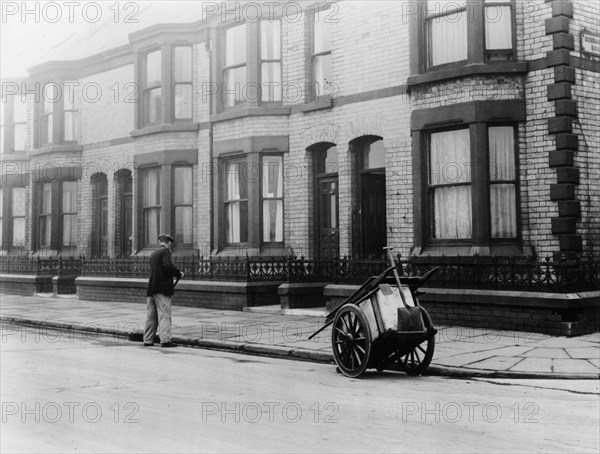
(148, 345)
(168, 345)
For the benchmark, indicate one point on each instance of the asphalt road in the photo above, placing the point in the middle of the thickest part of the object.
(65, 392)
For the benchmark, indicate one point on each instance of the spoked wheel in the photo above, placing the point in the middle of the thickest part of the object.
(416, 361)
(351, 340)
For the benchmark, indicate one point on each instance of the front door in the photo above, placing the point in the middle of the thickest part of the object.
(328, 232)
(373, 218)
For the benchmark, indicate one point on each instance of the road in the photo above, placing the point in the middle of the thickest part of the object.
(67, 392)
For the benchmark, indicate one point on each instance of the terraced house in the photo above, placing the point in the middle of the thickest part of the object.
(284, 144)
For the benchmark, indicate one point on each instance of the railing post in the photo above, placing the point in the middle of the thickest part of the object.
(247, 265)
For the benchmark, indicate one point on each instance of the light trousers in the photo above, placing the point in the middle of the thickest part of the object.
(158, 316)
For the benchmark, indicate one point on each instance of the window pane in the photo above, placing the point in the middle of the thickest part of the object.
(18, 239)
(71, 126)
(322, 74)
(447, 38)
(374, 155)
(183, 225)
(183, 185)
(233, 182)
(20, 112)
(503, 210)
(498, 27)
(235, 45)
(69, 230)
(44, 239)
(271, 81)
(322, 34)
(20, 133)
(452, 212)
(2, 138)
(49, 96)
(326, 161)
(46, 198)
(450, 157)
(270, 40)
(47, 129)
(151, 187)
(151, 224)
(502, 153)
(183, 101)
(18, 202)
(153, 68)
(69, 197)
(272, 176)
(235, 82)
(272, 220)
(183, 64)
(153, 106)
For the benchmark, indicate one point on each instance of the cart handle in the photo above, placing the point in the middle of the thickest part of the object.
(395, 271)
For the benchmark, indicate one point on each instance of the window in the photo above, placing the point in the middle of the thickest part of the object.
(503, 209)
(234, 70)
(69, 213)
(498, 30)
(45, 216)
(182, 204)
(19, 209)
(321, 56)
(124, 210)
(47, 114)
(2, 217)
(270, 60)
(272, 198)
(451, 33)
(13, 128)
(151, 206)
(450, 184)
(182, 78)
(100, 227)
(236, 202)
(152, 90)
(471, 188)
(71, 117)
(446, 25)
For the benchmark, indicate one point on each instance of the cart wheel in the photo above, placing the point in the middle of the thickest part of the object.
(417, 360)
(351, 341)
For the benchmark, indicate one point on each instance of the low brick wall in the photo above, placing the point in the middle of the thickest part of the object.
(25, 284)
(293, 296)
(205, 294)
(563, 314)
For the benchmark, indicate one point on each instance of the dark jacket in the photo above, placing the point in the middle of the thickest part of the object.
(162, 272)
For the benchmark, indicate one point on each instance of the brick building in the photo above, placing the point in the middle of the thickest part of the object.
(323, 130)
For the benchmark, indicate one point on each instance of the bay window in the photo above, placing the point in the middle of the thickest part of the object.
(13, 124)
(466, 178)
(71, 117)
(47, 115)
(58, 114)
(448, 34)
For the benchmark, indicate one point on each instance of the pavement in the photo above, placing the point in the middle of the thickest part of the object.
(271, 331)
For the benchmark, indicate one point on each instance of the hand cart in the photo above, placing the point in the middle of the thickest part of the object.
(382, 323)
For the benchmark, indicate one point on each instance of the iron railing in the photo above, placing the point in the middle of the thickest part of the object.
(502, 273)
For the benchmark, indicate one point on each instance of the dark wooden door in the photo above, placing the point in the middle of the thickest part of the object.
(327, 219)
(373, 215)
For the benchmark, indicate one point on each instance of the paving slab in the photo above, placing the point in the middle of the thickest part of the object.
(542, 365)
(544, 352)
(573, 366)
